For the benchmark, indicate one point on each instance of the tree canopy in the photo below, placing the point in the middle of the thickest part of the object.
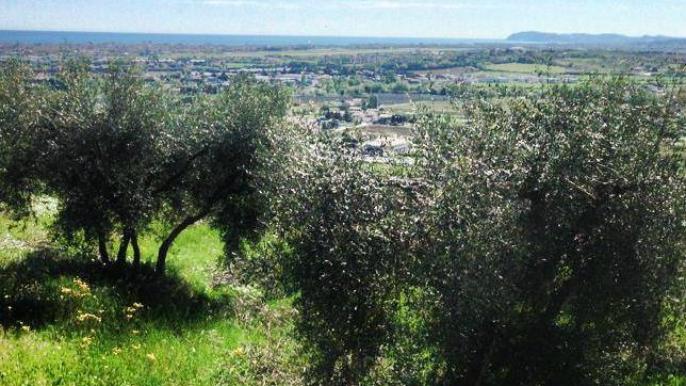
(535, 243)
(119, 153)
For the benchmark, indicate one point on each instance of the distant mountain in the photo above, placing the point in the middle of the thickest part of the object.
(590, 39)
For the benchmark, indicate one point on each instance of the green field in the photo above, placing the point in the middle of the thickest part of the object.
(66, 321)
(522, 68)
(447, 107)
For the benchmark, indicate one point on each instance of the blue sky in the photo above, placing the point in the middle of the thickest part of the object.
(401, 18)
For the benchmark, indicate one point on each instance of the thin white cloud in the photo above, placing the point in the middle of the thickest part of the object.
(348, 4)
(249, 4)
(400, 4)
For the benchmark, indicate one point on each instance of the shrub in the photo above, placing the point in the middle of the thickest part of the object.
(554, 230)
(20, 106)
(537, 243)
(262, 264)
(338, 217)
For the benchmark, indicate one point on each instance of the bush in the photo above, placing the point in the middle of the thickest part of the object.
(554, 232)
(339, 219)
(537, 243)
(261, 264)
(20, 107)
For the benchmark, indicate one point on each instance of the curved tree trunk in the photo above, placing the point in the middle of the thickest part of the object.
(102, 249)
(136, 249)
(167, 243)
(123, 247)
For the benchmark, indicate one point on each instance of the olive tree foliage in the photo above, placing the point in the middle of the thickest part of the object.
(554, 231)
(536, 242)
(119, 153)
(228, 138)
(341, 221)
(106, 142)
(20, 106)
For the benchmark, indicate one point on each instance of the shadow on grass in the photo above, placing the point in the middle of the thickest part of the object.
(32, 292)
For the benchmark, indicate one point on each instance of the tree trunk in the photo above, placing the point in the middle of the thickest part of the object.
(478, 369)
(123, 247)
(486, 363)
(102, 249)
(167, 243)
(136, 249)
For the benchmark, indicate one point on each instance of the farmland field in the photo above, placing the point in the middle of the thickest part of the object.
(525, 68)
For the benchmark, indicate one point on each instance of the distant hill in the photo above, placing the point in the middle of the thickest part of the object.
(599, 39)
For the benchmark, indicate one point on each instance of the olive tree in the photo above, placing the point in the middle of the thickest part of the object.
(342, 220)
(542, 236)
(226, 138)
(553, 233)
(119, 153)
(104, 144)
(21, 105)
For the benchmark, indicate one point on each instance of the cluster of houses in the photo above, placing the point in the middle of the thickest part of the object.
(355, 112)
(386, 132)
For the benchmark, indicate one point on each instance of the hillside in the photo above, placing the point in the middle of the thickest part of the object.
(593, 39)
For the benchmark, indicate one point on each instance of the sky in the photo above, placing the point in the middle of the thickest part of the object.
(487, 19)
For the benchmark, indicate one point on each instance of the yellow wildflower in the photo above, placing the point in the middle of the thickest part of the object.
(86, 341)
(129, 312)
(238, 352)
(83, 286)
(66, 290)
(82, 317)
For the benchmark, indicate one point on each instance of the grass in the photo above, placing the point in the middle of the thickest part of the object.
(70, 321)
(671, 380)
(194, 256)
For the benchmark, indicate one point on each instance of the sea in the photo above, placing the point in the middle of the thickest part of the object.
(66, 37)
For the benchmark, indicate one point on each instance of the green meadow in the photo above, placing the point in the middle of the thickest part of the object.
(66, 321)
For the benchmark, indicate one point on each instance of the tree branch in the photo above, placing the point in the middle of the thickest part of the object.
(174, 178)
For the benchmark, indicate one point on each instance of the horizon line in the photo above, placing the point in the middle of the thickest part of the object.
(443, 38)
(258, 34)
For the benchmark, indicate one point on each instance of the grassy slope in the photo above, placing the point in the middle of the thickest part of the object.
(73, 324)
(83, 327)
